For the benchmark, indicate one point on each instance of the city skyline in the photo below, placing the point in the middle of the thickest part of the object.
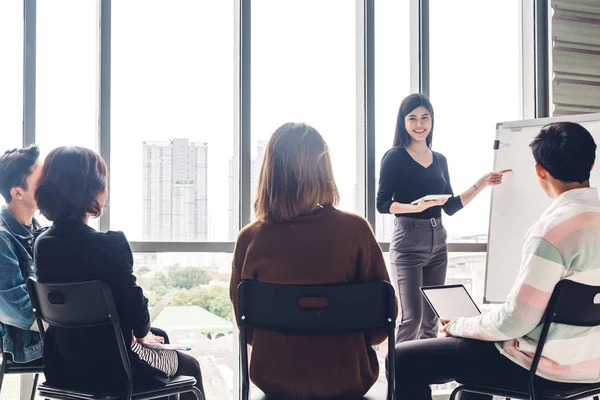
(175, 193)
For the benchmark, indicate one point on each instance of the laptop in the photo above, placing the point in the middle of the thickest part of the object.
(450, 301)
(160, 306)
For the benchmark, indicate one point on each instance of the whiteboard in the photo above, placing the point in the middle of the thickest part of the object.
(519, 201)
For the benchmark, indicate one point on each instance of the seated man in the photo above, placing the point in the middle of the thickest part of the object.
(19, 169)
(498, 347)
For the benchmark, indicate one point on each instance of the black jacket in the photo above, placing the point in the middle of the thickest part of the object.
(71, 251)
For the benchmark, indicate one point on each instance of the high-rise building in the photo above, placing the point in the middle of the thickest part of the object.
(175, 191)
(384, 227)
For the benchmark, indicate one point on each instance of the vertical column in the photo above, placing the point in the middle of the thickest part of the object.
(541, 48)
(365, 110)
(242, 136)
(103, 131)
(29, 72)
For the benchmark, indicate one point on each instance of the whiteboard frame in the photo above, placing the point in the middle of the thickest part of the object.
(517, 125)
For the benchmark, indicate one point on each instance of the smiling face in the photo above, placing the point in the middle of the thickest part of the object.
(418, 124)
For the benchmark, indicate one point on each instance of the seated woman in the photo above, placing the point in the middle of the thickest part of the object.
(71, 189)
(299, 237)
(497, 348)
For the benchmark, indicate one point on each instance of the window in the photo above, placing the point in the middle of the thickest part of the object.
(11, 76)
(200, 314)
(475, 83)
(172, 119)
(392, 84)
(66, 89)
(304, 70)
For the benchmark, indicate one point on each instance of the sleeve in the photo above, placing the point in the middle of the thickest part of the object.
(15, 306)
(542, 268)
(454, 204)
(385, 192)
(239, 255)
(372, 268)
(129, 297)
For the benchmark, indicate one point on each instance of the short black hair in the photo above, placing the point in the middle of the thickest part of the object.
(15, 168)
(71, 179)
(566, 150)
(410, 103)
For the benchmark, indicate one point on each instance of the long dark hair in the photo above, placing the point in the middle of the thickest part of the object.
(401, 137)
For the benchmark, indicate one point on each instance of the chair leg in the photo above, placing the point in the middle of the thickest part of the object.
(198, 393)
(34, 386)
(455, 393)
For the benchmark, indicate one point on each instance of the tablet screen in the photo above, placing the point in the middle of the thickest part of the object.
(450, 301)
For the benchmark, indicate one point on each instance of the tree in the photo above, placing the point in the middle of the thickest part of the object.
(213, 298)
(186, 277)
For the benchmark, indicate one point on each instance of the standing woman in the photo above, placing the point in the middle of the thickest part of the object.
(418, 252)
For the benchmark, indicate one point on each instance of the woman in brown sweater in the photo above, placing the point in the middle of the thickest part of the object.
(299, 237)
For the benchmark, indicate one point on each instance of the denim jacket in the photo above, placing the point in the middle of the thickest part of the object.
(16, 314)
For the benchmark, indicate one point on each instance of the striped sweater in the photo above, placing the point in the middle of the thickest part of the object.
(563, 244)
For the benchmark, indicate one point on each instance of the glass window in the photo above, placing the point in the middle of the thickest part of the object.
(172, 119)
(66, 90)
(200, 314)
(392, 84)
(11, 76)
(475, 83)
(304, 70)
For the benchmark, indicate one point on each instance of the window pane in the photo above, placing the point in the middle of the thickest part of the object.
(200, 315)
(304, 70)
(11, 76)
(172, 119)
(66, 73)
(475, 83)
(392, 84)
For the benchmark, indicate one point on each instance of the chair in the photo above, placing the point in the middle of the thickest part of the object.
(90, 304)
(8, 366)
(571, 303)
(348, 308)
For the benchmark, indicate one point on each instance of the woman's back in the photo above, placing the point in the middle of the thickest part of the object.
(325, 247)
(71, 251)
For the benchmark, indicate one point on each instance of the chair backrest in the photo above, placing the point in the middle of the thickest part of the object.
(73, 305)
(316, 309)
(78, 305)
(571, 303)
(574, 303)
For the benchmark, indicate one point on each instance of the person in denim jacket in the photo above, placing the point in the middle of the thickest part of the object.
(19, 170)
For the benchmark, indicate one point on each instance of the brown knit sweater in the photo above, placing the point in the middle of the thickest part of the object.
(326, 247)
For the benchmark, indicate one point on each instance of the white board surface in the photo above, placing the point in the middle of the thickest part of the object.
(519, 201)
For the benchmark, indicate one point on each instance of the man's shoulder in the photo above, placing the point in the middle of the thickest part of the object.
(6, 236)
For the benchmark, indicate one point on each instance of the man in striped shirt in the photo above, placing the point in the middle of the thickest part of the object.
(564, 243)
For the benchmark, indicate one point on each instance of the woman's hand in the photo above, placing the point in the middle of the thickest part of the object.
(491, 179)
(423, 205)
(445, 324)
(150, 338)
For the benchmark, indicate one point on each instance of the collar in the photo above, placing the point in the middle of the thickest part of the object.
(574, 196)
(8, 221)
(71, 226)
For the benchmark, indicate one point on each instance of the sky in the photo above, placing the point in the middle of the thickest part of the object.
(173, 77)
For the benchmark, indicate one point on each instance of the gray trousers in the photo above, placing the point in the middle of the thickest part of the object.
(418, 257)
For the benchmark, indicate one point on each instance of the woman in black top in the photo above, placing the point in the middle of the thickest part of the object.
(71, 188)
(418, 253)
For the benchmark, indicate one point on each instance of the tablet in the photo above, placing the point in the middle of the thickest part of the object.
(431, 197)
(450, 301)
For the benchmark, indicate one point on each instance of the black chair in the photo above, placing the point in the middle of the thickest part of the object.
(571, 303)
(90, 304)
(8, 366)
(348, 309)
